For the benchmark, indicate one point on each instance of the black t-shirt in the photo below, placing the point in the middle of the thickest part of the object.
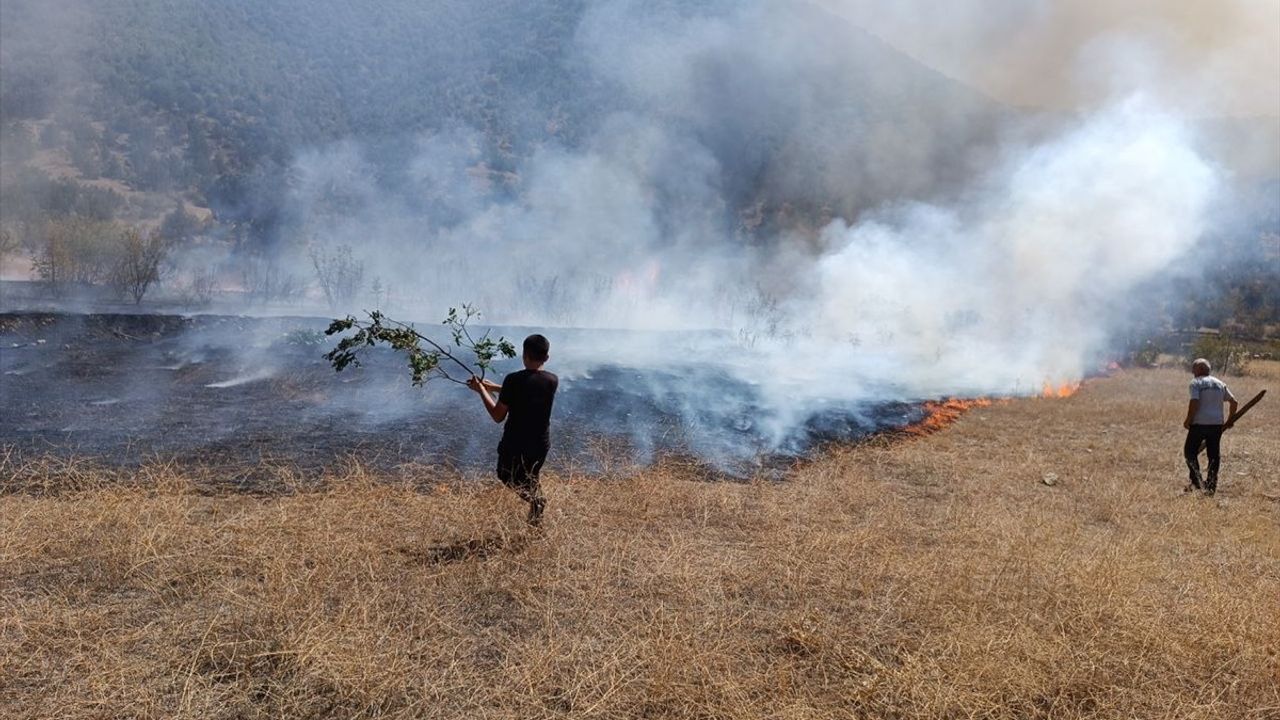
(528, 395)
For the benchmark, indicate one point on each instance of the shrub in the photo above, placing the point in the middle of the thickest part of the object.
(265, 281)
(77, 251)
(1142, 353)
(138, 262)
(340, 275)
(304, 338)
(198, 290)
(1227, 355)
(8, 241)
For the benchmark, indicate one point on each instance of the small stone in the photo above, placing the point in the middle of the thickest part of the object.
(1049, 479)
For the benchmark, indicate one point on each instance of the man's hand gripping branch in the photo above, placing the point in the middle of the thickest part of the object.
(496, 410)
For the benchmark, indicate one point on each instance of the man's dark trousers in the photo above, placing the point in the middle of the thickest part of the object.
(520, 473)
(1211, 436)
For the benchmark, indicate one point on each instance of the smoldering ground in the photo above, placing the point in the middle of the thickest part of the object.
(240, 393)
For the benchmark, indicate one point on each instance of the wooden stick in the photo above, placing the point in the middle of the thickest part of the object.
(1239, 413)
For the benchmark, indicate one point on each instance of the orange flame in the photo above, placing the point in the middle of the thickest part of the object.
(639, 281)
(1060, 391)
(938, 414)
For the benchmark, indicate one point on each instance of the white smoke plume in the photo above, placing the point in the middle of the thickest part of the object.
(964, 253)
(1023, 283)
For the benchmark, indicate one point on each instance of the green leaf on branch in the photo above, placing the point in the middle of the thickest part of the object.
(427, 358)
(342, 325)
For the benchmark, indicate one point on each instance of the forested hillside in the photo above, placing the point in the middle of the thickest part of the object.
(214, 99)
(217, 99)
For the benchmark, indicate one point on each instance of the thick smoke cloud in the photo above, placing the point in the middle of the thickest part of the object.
(1199, 58)
(1024, 282)
(942, 244)
(731, 138)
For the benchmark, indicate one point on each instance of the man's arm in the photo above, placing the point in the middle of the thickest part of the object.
(1233, 405)
(496, 410)
(1192, 406)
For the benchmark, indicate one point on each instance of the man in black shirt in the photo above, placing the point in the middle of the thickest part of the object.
(524, 402)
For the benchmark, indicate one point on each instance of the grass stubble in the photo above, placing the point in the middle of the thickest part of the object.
(936, 577)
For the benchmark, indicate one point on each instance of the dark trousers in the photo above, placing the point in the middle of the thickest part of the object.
(519, 472)
(1211, 436)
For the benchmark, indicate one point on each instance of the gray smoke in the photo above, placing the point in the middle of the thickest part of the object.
(938, 243)
(1198, 58)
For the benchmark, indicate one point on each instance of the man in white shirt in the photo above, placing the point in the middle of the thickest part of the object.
(1204, 423)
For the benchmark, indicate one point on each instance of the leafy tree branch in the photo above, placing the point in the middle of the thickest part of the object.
(427, 358)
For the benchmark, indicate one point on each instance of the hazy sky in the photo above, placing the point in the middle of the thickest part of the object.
(1201, 57)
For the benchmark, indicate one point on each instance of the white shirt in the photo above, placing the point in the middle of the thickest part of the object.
(1211, 392)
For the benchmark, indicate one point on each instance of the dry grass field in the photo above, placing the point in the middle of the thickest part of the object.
(932, 577)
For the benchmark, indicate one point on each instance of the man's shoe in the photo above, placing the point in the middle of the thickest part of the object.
(1190, 488)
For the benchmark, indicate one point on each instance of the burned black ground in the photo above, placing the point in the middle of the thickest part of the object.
(239, 391)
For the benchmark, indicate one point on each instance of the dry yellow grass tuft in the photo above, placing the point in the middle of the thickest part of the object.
(936, 577)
